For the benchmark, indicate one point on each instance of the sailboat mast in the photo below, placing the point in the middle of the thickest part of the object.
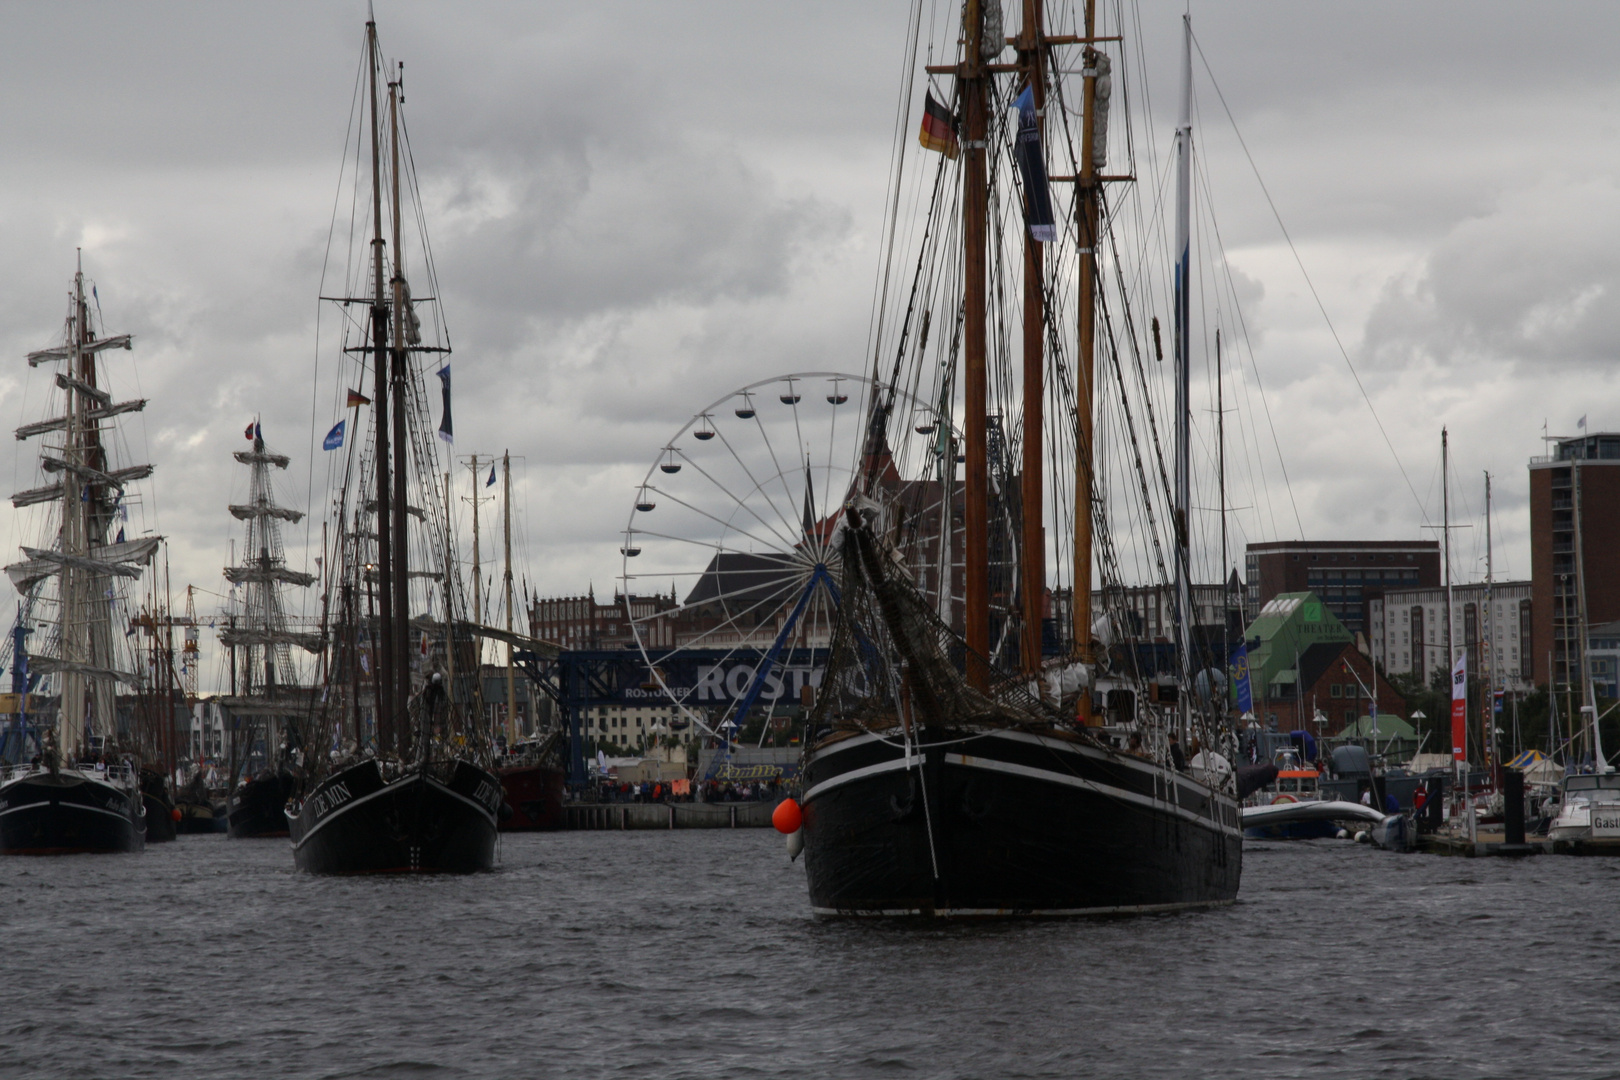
(71, 712)
(449, 594)
(1088, 213)
(402, 577)
(1599, 761)
(1032, 554)
(1488, 653)
(1226, 556)
(382, 636)
(511, 681)
(974, 88)
(478, 579)
(1445, 529)
(1451, 660)
(1183, 291)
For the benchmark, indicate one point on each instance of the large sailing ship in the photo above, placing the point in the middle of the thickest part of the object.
(408, 786)
(79, 789)
(269, 704)
(952, 766)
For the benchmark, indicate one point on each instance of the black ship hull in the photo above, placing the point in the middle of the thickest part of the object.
(258, 808)
(69, 813)
(159, 808)
(1001, 822)
(159, 818)
(434, 820)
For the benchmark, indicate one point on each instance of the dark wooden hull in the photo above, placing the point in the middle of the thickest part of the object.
(201, 817)
(999, 823)
(69, 813)
(258, 808)
(535, 794)
(159, 808)
(160, 824)
(432, 821)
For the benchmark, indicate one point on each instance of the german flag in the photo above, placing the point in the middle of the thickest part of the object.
(356, 399)
(938, 128)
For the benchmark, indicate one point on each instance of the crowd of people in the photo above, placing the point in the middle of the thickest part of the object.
(610, 790)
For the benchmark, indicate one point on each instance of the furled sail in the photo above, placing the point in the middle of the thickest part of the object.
(241, 575)
(121, 559)
(66, 352)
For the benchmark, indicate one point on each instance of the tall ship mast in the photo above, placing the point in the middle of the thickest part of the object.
(410, 787)
(269, 702)
(79, 790)
(969, 765)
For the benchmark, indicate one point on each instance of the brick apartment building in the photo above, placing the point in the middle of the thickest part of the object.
(1574, 489)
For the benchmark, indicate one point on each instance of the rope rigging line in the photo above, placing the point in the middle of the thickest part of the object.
(1311, 285)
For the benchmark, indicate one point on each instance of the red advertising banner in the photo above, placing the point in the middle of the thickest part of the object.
(1459, 708)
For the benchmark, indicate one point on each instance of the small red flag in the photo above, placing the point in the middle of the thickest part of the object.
(248, 434)
(356, 399)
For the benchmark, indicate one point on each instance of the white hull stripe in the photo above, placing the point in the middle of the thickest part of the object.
(1026, 913)
(1104, 790)
(849, 744)
(339, 812)
(127, 819)
(1056, 745)
(866, 770)
(474, 803)
(384, 790)
(1095, 754)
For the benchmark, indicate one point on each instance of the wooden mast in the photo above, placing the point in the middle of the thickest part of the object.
(1088, 214)
(1032, 556)
(1186, 614)
(478, 580)
(478, 608)
(975, 202)
(511, 681)
(402, 578)
(381, 644)
(449, 609)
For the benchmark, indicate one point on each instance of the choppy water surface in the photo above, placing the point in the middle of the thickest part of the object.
(692, 954)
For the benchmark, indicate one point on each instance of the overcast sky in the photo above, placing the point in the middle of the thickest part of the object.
(638, 207)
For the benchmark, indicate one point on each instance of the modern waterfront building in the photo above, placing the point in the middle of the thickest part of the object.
(1574, 509)
(1343, 574)
(1305, 668)
(1406, 631)
(1603, 650)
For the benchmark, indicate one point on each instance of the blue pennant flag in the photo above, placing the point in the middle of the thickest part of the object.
(1032, 168)
(334, 438)
(1240, 673)
(491, 481)
(120, 539)
(446, 431)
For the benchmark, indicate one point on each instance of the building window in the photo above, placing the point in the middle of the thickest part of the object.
(1335, 691)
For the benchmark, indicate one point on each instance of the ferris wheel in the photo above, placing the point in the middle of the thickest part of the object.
(732, 548)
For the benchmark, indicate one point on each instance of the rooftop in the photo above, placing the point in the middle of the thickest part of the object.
(1599, 446)
(1344, 545)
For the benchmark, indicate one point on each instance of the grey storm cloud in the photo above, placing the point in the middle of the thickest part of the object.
(1532, 283)
(637, 207)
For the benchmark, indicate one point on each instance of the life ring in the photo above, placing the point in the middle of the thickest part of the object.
(1280, 799)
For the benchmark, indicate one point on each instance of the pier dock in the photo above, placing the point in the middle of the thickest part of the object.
(738, 815)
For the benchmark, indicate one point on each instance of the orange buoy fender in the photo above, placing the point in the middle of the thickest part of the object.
(787, 817)
(175, 813)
